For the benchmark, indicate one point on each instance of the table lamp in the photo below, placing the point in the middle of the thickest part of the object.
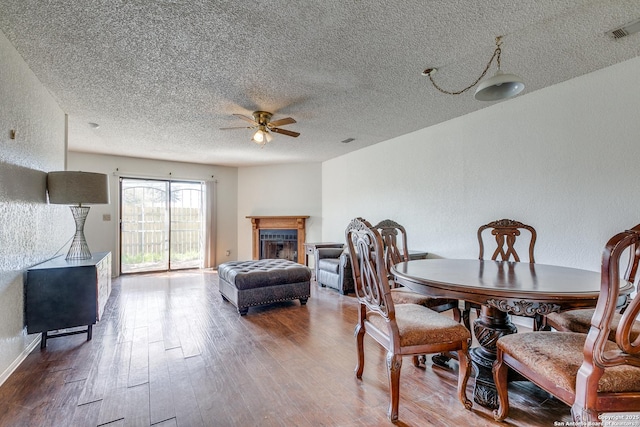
(77, 189)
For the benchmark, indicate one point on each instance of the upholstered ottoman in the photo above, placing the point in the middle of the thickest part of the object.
(258, 282)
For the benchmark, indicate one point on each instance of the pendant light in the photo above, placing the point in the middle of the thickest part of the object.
(500, 86)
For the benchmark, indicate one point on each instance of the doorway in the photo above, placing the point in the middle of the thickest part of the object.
(161, 225)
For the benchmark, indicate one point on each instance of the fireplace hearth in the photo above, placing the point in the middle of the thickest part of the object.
(278, 237)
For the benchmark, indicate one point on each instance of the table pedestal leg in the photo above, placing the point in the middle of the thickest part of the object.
(491, 325)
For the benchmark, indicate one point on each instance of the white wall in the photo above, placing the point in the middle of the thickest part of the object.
(563, 159)
(31, 231)
(261, 190)
(102, 235)
(279, 190)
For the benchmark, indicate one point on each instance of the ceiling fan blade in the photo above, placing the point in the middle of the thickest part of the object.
(249, 119)
(285, 132)
(281, 122)
(239, 127)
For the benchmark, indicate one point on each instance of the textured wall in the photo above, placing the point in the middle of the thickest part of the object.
(562, 159)
(31, 230)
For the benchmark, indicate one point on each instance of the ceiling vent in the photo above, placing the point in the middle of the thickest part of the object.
(625, 30)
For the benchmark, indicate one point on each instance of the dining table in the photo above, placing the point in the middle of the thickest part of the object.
(501, 288)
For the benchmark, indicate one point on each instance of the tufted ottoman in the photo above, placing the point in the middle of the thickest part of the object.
(251, 283)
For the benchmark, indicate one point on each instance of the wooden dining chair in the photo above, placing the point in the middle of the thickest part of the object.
(579, 320)
(588, 372)
(394, 243)
(401, 329)
(505, 233)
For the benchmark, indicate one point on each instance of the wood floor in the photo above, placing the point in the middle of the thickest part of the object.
(170, 352)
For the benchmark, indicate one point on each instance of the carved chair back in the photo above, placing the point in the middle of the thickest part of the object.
(631, 273)
(506, 232)
(370, 274)
(394, 242)
(598, 355)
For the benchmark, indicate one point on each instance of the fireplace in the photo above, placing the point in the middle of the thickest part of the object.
(282, 244)
(278, 237)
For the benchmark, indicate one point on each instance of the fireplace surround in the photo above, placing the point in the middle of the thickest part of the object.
(273, 237)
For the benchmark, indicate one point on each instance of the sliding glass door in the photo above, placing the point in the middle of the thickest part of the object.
(186, 227)
(161, 225)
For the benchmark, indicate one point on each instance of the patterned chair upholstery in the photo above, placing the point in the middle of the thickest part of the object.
(580, 320)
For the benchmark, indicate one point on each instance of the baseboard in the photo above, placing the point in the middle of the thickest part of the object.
(7, 372)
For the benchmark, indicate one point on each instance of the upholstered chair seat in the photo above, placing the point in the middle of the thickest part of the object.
(411, 319)
(406, 296)
(558, 355)
(580, 321)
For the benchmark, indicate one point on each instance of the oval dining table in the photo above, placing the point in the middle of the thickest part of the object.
(502, 288)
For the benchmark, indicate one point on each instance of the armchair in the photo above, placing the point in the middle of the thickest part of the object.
(333, 269)
(587, 371)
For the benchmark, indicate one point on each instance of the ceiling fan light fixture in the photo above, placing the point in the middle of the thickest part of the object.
(265, 127)
(262, 136)
(500, 86)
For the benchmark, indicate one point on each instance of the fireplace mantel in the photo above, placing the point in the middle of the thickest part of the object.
(278, 223)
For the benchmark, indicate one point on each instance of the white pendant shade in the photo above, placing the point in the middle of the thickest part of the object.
(500, 86)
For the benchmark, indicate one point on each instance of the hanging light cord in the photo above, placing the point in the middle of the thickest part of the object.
(496, 53)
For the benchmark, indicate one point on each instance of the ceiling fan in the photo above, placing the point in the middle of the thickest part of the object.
(262, 121)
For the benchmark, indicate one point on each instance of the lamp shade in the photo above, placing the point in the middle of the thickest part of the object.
(500, 86)
(77, 188)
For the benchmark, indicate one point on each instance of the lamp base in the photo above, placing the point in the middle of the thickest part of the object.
(79, 248)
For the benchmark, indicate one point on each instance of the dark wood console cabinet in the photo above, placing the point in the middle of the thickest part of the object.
(61, 294)
(417, 255)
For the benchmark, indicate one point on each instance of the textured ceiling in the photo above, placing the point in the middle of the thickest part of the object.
(162, 77)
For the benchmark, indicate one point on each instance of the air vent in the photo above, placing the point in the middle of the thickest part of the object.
(625, 30)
